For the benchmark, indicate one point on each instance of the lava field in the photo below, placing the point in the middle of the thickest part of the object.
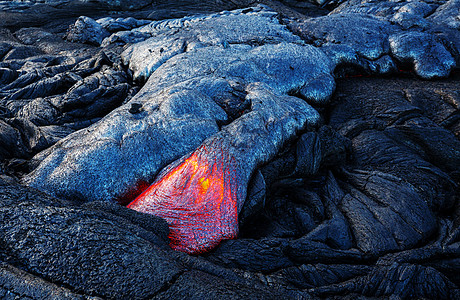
(154, 149)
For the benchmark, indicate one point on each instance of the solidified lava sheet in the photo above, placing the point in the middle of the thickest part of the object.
(229, 149)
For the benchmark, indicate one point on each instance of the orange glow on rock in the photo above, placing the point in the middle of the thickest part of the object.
(204, 185)
(197, 199)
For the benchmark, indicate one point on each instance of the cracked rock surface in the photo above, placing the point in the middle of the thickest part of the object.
(333, 131)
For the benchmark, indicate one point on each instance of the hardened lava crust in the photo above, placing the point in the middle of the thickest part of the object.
(229, 149)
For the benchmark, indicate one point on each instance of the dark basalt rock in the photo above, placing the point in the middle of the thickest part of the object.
(21, 52)
(438, 104)
(308, 276)
(52, 94)
(199, 285)
(4, 49)
(335, 229)
(255, 200)
(383, 219)
(122, 5)
(83, 248)
(379, 141)
(44, 87)
(362, 205)
(264, 255)
(11, 141)
(86, 30)
(308, 154)
(7, 75)
(45, 40)
(429, 57)
(406, 281)
(305, 250)
(15, 284)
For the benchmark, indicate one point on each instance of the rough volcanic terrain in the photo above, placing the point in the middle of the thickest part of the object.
(229, 149)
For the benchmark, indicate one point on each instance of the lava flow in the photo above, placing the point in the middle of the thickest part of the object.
(197, 198)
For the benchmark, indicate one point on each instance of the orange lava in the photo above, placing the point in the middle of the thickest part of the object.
(197, 198)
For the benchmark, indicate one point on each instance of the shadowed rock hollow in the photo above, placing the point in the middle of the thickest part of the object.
(323, 142)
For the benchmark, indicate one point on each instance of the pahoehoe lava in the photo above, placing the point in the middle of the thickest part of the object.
(229, 149)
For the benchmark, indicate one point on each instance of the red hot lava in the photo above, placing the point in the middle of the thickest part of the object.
(197, 198)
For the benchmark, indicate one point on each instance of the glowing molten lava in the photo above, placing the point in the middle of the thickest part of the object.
(197, 199)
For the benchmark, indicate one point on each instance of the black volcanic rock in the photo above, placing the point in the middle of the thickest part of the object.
(407, 281)
(365, 204)
(86, 30)
(429, 57)
(387, 215)
(200, 285)
(264, 255)
(11, 141)
(123, 5)
(15, 283)
(78, 247)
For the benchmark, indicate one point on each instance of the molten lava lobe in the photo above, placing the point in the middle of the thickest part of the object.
(197, 198)
(201, 195)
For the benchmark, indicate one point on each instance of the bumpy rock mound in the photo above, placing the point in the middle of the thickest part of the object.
(253, 26)
(378, 46)
(212, 79)
(47, 97)
(69, 242)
